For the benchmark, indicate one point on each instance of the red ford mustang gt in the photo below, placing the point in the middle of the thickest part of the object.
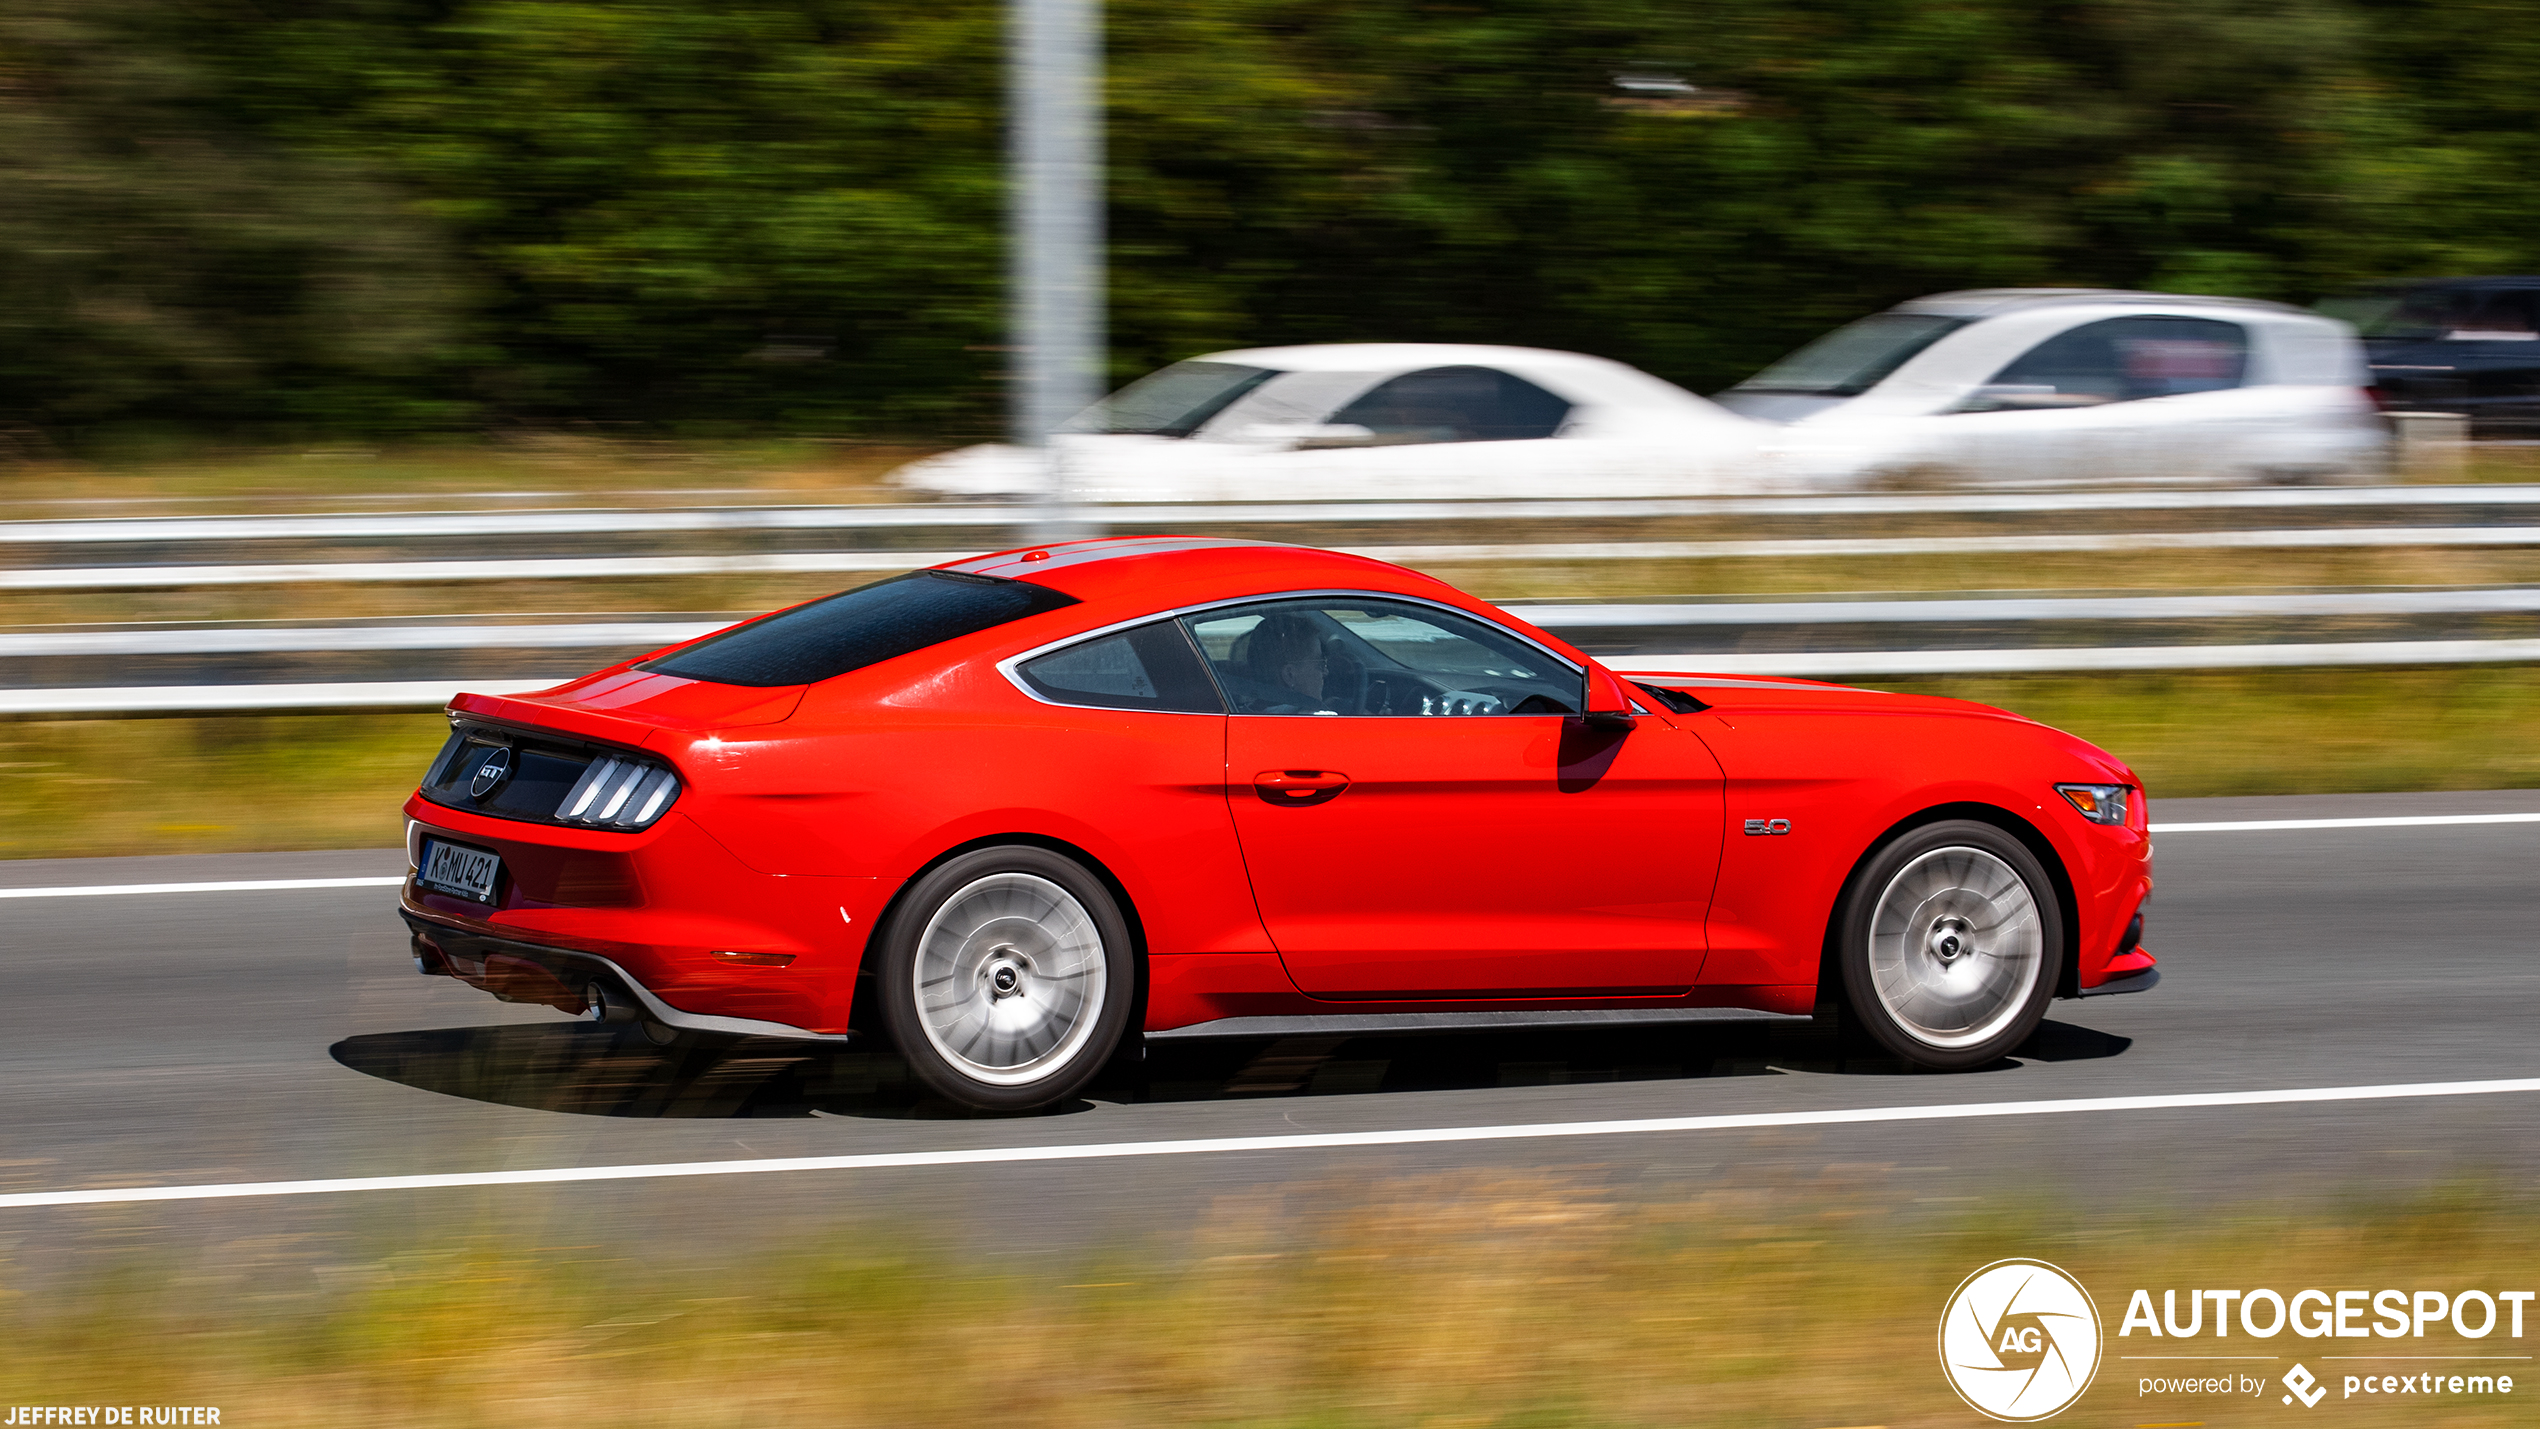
(1015, 812)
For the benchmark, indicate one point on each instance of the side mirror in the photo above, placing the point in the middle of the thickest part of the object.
(1607, 705)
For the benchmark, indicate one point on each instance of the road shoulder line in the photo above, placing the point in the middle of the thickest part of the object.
(1222, 1145)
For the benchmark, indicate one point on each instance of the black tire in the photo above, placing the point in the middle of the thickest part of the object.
(1007, 978)
(1950, 943)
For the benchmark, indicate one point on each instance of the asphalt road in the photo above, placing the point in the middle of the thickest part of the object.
(160, 1039)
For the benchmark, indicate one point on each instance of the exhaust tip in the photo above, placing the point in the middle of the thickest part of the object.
(604, 1005)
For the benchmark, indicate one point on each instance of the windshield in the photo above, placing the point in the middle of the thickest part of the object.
(1173, 402)
(1852, 359)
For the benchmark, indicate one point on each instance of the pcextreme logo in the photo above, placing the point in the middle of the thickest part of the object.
(2019, 1340)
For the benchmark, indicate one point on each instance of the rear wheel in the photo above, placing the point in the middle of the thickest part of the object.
(1950, 943)
(1007, 978)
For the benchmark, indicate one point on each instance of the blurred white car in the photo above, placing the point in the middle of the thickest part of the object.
(2044, 387)
(2066, 386)
(1345, 421)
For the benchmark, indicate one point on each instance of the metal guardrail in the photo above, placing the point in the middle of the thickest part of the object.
(653, 634)
(572, 521)
(1869, 664)
(830, 562)
(321, 639)
(1640, 637)
(1841, 664)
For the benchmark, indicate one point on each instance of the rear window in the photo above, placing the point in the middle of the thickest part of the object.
(856, 628)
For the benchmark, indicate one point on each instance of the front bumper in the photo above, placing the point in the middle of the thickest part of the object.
(561, 978)
(2142, 980)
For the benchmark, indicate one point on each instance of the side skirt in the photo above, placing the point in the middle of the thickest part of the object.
(1359, 1024)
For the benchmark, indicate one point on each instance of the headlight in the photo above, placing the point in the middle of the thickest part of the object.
(2099, 803)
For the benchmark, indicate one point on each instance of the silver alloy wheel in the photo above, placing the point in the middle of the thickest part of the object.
(1956, 946)
(1010, 979)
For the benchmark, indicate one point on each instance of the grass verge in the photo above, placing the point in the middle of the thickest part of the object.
(226, 784)
(1467, 1300)
(2199, 733)
(238, 783)
(560, 468)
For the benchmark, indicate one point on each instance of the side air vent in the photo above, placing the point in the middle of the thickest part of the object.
(617, 792)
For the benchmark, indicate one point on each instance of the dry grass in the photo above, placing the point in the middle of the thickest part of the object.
(2194, 733)
(1466, 1300)
(235, 783)
(550, 468)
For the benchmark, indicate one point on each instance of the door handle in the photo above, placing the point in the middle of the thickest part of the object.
(1299, 788)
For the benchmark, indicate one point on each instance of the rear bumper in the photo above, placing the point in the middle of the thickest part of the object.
(561, 977)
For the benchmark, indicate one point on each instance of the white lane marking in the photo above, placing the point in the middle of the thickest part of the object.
(2394, 821)
(242, 885)
(1220, 1145)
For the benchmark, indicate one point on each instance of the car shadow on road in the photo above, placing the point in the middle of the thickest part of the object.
(581, 1069)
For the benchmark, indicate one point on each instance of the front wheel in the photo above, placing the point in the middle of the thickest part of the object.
(1950, 942)
(1006, 978)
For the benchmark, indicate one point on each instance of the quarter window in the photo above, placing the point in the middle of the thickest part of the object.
(1344, 656)
(1456, 404)
(1150, 668)
(2122, 360)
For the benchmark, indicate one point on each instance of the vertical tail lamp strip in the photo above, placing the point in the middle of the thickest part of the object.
(662, 792)
(634, 776)
(588, 788)
(638, 789)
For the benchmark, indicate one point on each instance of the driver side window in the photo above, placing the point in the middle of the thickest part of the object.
(1337, 655)
(1456, 404)
(2120, 360)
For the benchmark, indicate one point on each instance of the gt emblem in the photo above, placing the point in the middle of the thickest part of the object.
(490, 771)
(1768, 826)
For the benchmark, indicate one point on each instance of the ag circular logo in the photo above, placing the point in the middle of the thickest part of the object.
(2019, 1340)
(492, 768)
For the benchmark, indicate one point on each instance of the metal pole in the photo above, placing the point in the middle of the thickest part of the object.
(1056, 234)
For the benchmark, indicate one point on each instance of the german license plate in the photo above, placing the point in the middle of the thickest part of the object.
(456, 868)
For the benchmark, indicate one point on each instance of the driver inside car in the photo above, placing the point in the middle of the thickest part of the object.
(1285, 656)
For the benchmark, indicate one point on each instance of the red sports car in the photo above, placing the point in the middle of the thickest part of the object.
(1014, 813)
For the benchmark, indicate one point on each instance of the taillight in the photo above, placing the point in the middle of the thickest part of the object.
(618, 792)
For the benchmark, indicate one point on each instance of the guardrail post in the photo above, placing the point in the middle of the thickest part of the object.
(2433, 446)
